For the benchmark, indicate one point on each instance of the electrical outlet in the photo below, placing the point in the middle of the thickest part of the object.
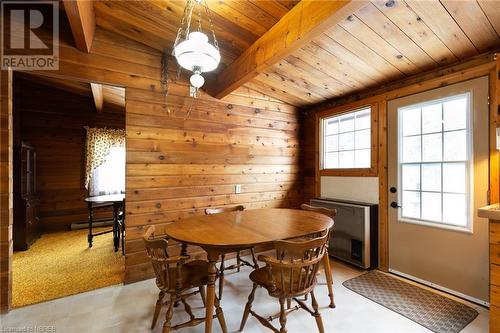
(237, 188)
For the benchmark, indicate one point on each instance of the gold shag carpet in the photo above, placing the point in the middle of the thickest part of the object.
(61, 264)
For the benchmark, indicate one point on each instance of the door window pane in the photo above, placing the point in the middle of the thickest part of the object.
(434, 159)
(455, 146)
(454, 208)
(432, 118)
(411, 121)
(432, 147)
(411, 177)
(431, 206)
(454, 177)
(431, 177)
(411, 149)
(455, 116)
(411, 204)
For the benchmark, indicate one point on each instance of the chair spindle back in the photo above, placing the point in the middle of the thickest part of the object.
(164, 265)
(293, 272)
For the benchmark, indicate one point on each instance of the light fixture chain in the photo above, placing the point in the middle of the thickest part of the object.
(199, 18)
(190, 4)
(164, 79)
(211, 25)
(183, 31)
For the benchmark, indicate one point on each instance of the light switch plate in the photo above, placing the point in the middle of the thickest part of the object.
(237, 188)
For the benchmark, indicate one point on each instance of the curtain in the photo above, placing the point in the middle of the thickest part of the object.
(98, 147)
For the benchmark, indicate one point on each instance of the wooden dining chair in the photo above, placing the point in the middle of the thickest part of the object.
(239, 261)
(177, 277)
(290, 275)
(326, 259)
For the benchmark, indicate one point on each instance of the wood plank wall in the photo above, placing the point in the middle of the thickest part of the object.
(5, 189)
(177, 167)
(482, 65)
(53, 120)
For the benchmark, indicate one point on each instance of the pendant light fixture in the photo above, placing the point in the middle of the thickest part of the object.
(193, 48)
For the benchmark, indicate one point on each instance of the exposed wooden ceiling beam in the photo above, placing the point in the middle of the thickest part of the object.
(307, 20)
(81, 18)
(98, 96)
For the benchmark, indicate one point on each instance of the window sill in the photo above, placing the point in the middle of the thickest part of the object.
(437, 225)
(368, 172)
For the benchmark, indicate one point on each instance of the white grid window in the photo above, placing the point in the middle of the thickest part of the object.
(346, 140)
(435, 161)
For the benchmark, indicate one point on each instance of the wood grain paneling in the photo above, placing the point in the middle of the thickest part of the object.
(53, 121)
(177, 167)
(5, 190)
(494, 319)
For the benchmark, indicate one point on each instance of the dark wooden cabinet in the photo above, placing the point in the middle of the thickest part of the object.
(26, 202)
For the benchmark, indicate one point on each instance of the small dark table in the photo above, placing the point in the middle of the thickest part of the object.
(117, 200)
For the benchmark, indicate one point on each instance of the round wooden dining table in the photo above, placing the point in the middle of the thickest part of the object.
(218, 233)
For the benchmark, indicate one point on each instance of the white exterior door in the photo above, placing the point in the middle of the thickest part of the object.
(438, 176)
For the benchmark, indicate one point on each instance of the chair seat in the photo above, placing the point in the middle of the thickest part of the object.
(261, 277)
(194, 274)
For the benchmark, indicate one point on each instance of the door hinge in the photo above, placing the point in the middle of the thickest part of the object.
(488, 197)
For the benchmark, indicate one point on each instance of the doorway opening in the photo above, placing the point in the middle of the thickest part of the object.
(69, 146)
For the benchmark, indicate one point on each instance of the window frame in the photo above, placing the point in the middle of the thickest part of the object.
(469, 166)
(372, 171)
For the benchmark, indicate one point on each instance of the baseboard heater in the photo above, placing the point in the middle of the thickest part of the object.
(97, 223)
(355, 233)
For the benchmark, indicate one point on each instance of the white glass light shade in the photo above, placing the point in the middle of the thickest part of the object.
(196, 51)
(196, 80)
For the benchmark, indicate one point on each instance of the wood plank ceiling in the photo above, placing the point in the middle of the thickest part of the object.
(237, 24)
(383, 41)
(113, 98)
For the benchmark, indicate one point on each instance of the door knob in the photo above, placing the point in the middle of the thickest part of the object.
(395, 205)
(393, 189)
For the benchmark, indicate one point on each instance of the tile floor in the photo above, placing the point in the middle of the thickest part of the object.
(129, 308)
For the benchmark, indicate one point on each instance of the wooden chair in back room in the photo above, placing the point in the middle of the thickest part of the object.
(326, 260)
(239, 261)
(177, 277)
(290, 275)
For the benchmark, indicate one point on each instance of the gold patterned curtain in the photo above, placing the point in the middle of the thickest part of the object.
(99, 143)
